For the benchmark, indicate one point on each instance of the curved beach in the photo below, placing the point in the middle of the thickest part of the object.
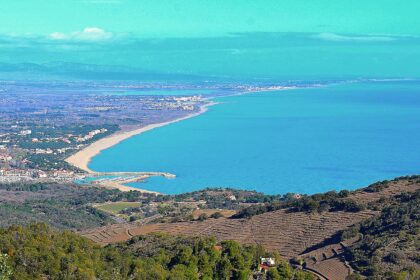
(82, 158)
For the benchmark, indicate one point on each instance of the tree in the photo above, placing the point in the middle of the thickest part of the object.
(204, 265)
(242, 274)
(183, 256)
(272, 274)
(5, 268)
(343, 193)
(301, 275)
(216, 215)
(224, 269)
(259, 252)
(180, 272)
(232, 250)
(284, 270)
(354, 276)
(203, 217)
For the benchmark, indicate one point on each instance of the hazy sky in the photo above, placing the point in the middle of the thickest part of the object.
(214, 38)
(209, 17)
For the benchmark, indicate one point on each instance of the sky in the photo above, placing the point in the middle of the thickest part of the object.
(230, 38)
(209, 17)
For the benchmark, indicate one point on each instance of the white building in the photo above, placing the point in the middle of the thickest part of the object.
(25, 132)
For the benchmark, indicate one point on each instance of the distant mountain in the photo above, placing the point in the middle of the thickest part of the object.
(87, 71)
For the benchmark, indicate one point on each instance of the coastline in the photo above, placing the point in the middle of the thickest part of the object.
(82, 158)
(123, 188)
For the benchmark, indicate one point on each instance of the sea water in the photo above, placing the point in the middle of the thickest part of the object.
(302, 141)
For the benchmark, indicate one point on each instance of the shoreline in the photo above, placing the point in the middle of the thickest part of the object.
(82, 158)
(123, 188)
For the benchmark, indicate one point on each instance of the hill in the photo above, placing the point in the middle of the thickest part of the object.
(372, 232)
(61, 205)
(39, 252)
(309, 235)
(387, 245)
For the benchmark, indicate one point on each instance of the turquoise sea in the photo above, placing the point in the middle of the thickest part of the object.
(304, 141)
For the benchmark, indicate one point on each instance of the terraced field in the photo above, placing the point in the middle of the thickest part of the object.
(289, 233)
(395, 188)
(226, 213)
(108, 234)
(328, 262)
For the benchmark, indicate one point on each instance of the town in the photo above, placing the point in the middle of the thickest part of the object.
(42, 124)
(40, 129)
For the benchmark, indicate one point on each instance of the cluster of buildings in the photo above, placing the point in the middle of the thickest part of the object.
(5, 157)
(52, 139)
(184, 103)
(4, 139)
(14, 175)
(25, 132)
(42, 151)
(267, 88)
(37, 133)
(171, 106)
(195, 98)
(22, 150)
(91, 134)
(49, 151)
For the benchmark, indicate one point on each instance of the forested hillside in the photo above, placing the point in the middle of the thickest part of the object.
(63, 206)
(378, 227)
(389, 244)
(39, 252)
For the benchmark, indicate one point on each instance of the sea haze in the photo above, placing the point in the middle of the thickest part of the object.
(243, 57)
(303, 140)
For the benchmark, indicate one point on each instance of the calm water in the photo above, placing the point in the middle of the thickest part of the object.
(305, 141)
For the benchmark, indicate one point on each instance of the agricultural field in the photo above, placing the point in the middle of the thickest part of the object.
(197, 213)
(116, 207)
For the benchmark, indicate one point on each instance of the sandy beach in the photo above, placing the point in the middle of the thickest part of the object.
(82, 158)
(121, 187)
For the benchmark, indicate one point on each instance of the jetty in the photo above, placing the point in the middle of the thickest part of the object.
(119, 179)
(148, 174)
